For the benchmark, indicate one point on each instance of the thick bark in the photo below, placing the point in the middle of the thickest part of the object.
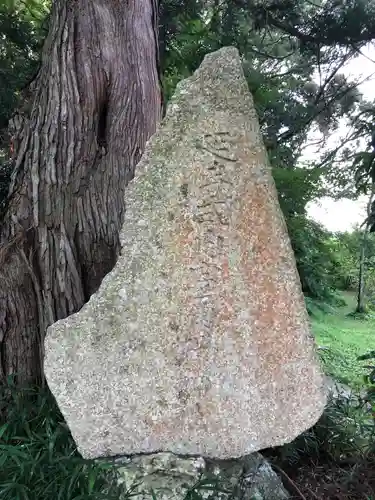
(96, 103)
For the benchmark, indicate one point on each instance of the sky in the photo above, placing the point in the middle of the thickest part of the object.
(343, 215)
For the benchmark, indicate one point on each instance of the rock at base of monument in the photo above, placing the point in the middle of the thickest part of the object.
(166, 476)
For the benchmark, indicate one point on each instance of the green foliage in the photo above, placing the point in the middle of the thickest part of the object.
(278, 68)
(345, 434)
(341, 339)
(343, 431)
(185, 39)
(338, 452)
(22, 28)
(209, 487)
(346, 250)
(326, 23)
(352, 161)
(296, 187)
(369, 378)
(38, 458)
(327, 262)
(346, 253)
(313, 257)
(334, 459)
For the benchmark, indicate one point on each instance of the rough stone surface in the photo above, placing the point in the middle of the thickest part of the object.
(170, 477)
(198, 341)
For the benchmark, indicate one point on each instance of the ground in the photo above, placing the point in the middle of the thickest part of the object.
(341, 339)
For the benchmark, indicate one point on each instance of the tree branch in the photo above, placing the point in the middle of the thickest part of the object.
(290, 133)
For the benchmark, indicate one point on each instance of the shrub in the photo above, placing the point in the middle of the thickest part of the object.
(38, 457)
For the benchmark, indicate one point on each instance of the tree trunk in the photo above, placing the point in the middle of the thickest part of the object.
(361, 307)
(96, 102)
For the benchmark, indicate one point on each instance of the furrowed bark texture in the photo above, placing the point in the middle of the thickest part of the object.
(96, 103)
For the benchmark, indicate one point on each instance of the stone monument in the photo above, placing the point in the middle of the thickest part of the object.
(198, 341)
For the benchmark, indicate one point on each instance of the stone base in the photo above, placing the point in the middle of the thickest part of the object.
(165, 476)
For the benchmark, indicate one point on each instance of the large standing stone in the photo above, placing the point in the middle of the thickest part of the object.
(198, 341)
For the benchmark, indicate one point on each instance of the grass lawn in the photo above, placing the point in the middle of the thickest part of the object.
(346, 338)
